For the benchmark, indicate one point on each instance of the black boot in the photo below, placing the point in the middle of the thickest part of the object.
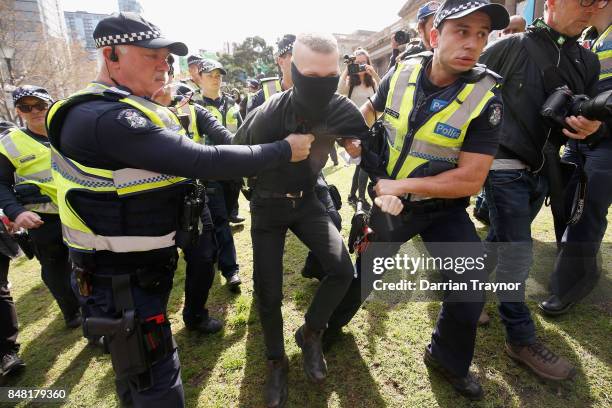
(208, 325)
(10, 363)
(553, 306)
(276, 383)
(309, 341)
(467, 386)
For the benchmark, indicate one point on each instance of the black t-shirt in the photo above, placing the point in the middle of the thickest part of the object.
(8, 202)
(276, 119)
(483, 132)
(113, 135)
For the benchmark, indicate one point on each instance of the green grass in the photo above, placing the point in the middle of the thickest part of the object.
(377, 364)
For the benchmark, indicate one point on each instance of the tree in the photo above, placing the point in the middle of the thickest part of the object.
(60, 66)
(250, 58)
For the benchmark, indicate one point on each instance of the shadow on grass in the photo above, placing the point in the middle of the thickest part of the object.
(37, 301)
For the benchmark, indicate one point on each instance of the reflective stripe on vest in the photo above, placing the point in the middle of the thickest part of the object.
(70, 175)
(270, 88)
(603, 49)
(441, 137)
(32, 162)
(190, 111)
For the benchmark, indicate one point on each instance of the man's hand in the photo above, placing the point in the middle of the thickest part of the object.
(300, 145)
(583, 127)
(389, 187)
(352, 147)
(389, 204)
(28, 220)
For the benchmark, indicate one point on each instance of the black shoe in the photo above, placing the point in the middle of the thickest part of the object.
(309, 272)
(236, 219)
(233, 282)
(11, 363)
(276, 389)
(553, 306)
(467, 386)
(352, 200)
(208, 325)
(309, 341)
(365, 206)
(74, 321)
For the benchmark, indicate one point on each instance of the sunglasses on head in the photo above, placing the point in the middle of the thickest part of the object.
(39, 106)
(588, 3)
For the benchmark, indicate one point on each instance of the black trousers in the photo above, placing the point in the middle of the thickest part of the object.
(308, 220)
(454, 335)
(52, 254)
(8, 316)
(200, 272)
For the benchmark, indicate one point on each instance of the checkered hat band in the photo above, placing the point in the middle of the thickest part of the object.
(443, 13)
(126, 38)
(37, 94)
(285, 49)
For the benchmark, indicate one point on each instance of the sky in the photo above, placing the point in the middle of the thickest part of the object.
(205, 24)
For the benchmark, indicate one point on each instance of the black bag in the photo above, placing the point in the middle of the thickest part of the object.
(335, 196)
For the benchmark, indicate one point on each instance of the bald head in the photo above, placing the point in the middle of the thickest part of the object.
(517, 25)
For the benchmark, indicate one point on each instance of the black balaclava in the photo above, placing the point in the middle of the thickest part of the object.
(311, 95)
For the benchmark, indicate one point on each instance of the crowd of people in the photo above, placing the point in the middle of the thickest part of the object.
(110, 181)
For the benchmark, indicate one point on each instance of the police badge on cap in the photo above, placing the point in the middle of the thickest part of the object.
(131, 29)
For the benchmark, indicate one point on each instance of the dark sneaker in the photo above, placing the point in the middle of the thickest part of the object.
(352, 200)
(553, 306)
(208, 325)
(233, 282)
(236, 219)
(542, 361)
(276, 389)
(11, 363)
(467, 386)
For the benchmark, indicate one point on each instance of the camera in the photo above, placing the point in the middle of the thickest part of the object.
(401, 37)
(563, 103)
(352, 66)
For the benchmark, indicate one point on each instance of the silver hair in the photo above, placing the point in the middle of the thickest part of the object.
(318, 42)
(101, 63)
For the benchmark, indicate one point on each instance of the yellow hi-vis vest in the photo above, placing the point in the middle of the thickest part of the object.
(230, 119)
(438, 139)
(189, 110)
(270, 87)
(603, 48)
(32, 162)
(69, 176)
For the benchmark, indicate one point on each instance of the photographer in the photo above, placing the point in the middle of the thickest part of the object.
(533, 64)
(425, 16)
(576, 270)
(358, 82)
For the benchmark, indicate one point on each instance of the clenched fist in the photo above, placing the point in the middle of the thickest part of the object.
(300, 145)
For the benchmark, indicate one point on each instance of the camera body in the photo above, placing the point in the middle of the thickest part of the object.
(352, 66)
(563, 103)
(401, 37)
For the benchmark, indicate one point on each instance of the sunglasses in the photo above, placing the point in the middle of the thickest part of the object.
(588, 3)
(40, 106)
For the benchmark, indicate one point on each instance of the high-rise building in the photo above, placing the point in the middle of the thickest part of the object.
(130, 5)
(39, 19)
(81, 25)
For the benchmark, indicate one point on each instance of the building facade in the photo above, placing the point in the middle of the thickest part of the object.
(81, 25)
(130, 5)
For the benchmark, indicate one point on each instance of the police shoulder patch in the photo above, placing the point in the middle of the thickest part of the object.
(495, 114)
(133, 119)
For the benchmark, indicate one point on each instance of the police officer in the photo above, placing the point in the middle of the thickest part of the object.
(203, 128)
(193, 66)
(526, 167)
(425, 16)
(253, 86)
(28, 195)
(224, 201)
(284, 199)
(272, 86)
(122, 210)
(442, 118)
(577, 269)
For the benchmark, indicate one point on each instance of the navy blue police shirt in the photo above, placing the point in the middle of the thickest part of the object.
(483, 133)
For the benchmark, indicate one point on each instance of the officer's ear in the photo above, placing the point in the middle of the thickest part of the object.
(110, 54)
(434, 37)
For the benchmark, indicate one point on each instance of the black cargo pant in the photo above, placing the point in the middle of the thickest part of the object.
(52, 254)
(8, 316)
(308, 220)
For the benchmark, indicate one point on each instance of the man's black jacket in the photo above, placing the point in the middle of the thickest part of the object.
(524, 131)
